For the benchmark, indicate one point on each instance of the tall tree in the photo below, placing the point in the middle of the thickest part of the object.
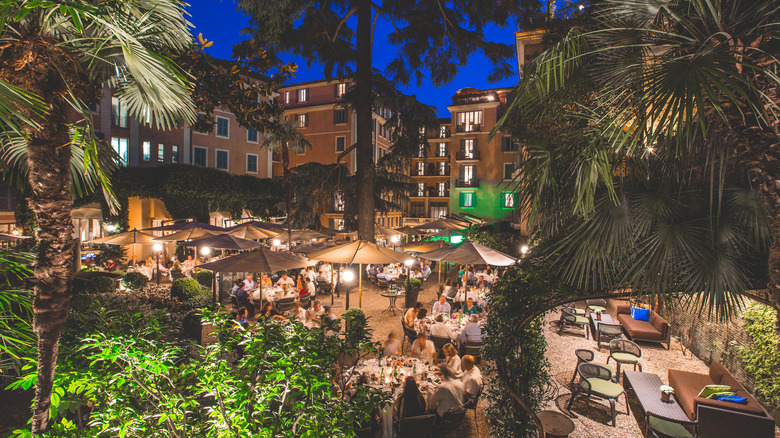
(64, 53)
(433, 37)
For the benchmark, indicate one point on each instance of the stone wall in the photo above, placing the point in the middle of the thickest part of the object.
(714, 341)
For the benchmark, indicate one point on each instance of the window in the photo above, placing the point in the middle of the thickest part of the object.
(303, 95)
(420, 168)
(146, 115)
(341, 144)
(468, 147)
(340, 89)
(422, 151)
(338, 201)
(251, 135)
(508, 200)
(174, 154)
(223, 127)
(200, 156)
(339, 116)
(302, 120)
(336, 224)
(439, 209)
(120, 147)
(507, 145)
(222, 159)
(118, 113)
(160, 152)
(147, 150)
(467, 173)
(417, 209)
(251, 163)
(444, 132)
(420, 189)
(467, 199)
(286, 97)
(373, 128)
(469, 121)
(441, 150)
(509, 168)
(441, 168)
(441, 189)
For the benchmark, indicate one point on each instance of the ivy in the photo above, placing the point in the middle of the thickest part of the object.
(762, 359)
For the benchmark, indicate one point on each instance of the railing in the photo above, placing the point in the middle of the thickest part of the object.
(465, 156)
(438, 194)
(415, 172)
(467, 182)
(468, 128)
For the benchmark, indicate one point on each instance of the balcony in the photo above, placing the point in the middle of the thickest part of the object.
(467, 182)
(467, 156)
(437, 194)
(468, 128)
(415, 172)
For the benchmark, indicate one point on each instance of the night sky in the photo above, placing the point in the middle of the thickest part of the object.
(219, 21)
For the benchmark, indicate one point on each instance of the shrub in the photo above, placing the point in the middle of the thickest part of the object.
(204, 298)
(134, 280)
(204, 277)
(762, 359)
(100, 285)
(413, 283)
(185, 289)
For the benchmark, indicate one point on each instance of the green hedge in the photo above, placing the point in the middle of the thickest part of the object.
(185, 289)
(762, 359)
(134, 280)
(100, 285)
(204, 277)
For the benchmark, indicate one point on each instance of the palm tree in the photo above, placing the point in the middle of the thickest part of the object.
(661, 119)
(63, 54)
(281, 139)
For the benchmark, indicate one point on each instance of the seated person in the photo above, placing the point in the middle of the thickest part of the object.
(238, 284)
(441, 306)
(448, 395)
(285, 280)
(470, 308)
(265, 281)
(417, 274)
(421, 325)
(411, 402)
(109, 265)
(472, 378)
(314, 312)
(242, 297)
(242, 316)
(450, 291)
(452, 360)
(391, 346)
(269, 312)
(249, 283)
(411, 315)
(372, 270)
(424, 349)
(382, 275)
(426, 270)
(472, 331)
(322, 278)
(311, 288)
(441, 329)
(298, 312)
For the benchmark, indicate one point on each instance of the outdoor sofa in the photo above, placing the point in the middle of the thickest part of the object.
(720, 418)
(655, 329)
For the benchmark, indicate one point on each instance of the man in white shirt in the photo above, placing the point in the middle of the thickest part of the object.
(471, 378)
(426, 270)
(441, 329)
(249, 283)
(310, 274)
(314, 312)
(472, 331)
(424, 349)
(448, 395)
(285, 280)
(441, 306)
(311, 288)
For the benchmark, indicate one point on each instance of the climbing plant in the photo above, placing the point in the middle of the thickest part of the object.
(762, 359)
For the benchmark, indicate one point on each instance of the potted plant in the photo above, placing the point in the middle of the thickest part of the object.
(666, 393)
(412, 286)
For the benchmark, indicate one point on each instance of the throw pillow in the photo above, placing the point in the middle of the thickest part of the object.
(640, 314)
(713, 389)
(733, 399)
(717, 395)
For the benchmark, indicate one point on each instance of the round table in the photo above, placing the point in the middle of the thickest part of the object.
(555, 424)
(392, 296)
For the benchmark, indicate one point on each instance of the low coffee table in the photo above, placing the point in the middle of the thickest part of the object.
(647, 387)
(612, 330)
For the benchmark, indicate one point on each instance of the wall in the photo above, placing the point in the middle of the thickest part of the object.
(711, 341)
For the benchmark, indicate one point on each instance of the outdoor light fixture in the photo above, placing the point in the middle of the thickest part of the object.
(15, 232)
(394, 239)
(157, 247)
(582, 7)
(349, 276)
(205, 251)
(111, 228)
(524, 249)
(277, 242)
(409, 262)
(456, 239)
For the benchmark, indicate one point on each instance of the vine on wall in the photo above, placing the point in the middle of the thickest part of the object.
(762, 359)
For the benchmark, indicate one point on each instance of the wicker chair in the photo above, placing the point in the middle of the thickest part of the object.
(606, 332)
(474, 348)
(597, 304)
(471, 405)
(596, 380)
(659, 426)
(324, 289)
(568, 318)
(382, 283)
(451, 420)
(409, 333)
(587, 356)
(439, 342)
(285, 304)
(626, 352)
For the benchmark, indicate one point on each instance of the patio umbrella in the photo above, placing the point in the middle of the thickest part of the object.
(249, 231)
(260, 224)
(178, 226)
(470, 253)
(313, 247)
(409, 231)
(302, 235)
(360, 252)
(188, 234)
(132, 237)
(441, 224)
(381, 230)
(259, 260)
(427, 246)
(222, 241)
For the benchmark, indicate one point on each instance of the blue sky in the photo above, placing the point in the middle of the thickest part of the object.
(219, 21)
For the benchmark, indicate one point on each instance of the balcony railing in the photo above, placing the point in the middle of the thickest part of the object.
(468, 128)
(415, 172)
(467, 182)
(466, 156)
(438, 194)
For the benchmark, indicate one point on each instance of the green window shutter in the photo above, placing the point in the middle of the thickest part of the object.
(462, 199)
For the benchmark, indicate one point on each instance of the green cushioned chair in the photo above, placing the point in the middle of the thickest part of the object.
(568, 318)
(596, 380)
(587, 356)
(659, 426)
(606, 332)
(594, 305)
(572, 309)
(626, 352)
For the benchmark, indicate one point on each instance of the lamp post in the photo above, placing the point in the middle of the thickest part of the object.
(205, 251)
(348, 277)
(276, 244)
(157, 248)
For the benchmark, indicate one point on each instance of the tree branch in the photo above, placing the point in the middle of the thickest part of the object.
(444, 15)
(341, 23)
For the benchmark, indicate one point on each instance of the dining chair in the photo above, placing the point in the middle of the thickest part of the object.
(451, 420)
(658, 426)
(568, 318)
(416, 427)
(596, 380)
(626, 352)
(587, 356)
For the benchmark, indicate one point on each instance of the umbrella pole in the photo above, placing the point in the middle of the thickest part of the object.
(332, 286)
(439, 275)
(360, 285)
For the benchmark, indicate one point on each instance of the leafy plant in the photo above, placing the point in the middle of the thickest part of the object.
(185, 288)
(204, 277)
(762, 359)
(117, 253)
(413, 283)
(17, 339)
(134, 280)
(100, 284)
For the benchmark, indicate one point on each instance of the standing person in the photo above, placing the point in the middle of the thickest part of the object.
(411, 402)
(448, 395)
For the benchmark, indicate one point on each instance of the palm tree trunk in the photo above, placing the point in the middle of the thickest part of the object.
(48, 158)
(365, 150)
(287, 191)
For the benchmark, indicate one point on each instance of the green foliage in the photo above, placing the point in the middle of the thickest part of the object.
(100, 284)
(134, 280)
(204, 277)
(202, 299)
(413, 283)
(17, 339)
(185, 288)
(499, 236)
(762, 359)
(117, 253)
